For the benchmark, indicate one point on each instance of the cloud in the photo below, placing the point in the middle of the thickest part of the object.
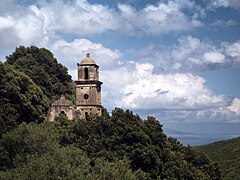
(216, 115)
(167, 85)
(225, 114)
(44, 21)
(224, 23)
(40, 24)
(214, 57)
(71, 53)
(128, 84)
(191, 55)
(6, 22)
(224, 3)
(81, 17)
(21, 26)
(160, 18)
(172, 96)
(166, 91)
(233, 51)
(235, 106)
(175, 97)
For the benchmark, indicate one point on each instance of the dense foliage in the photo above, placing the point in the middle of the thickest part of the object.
(120, 146)
(226, 153)
(21, 99)
(33, 152)
(124, 135)
(40, 65)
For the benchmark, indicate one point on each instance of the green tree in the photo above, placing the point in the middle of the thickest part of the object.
(21, 99)
(142, 142)
(27, 140)
(40, 65)
(33, 151)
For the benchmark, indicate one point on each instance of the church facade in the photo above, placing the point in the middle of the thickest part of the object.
(88, 94)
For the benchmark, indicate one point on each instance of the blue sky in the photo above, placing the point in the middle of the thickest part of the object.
(176, 60)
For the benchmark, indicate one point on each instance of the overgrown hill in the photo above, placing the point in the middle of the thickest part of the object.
(116, 146)
(20, 99)
(120, 146)
(227, 154)
(43, 68)
(30, 79)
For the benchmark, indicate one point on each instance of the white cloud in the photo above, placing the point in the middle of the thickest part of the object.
(214, 57)
(219, 3)
(225, 114)
(169, 97)
(233, 50)
(190, 55)
(135, 85)
(225, 3)
(6, 22)
(114, 82)
(41, 23)
(223, 23)
(166, 91)
(69, 53)
(165, 83)
(21, 27)
(160, 18)
(235, 106)
(81, 17)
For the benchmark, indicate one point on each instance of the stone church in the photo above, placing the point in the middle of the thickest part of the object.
(88, 94)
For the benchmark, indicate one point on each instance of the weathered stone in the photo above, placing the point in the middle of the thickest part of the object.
(88, 88)
(88, 94)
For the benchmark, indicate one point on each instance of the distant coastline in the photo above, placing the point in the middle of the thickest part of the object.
(193, 139)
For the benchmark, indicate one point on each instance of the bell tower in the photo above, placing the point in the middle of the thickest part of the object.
(88, 88)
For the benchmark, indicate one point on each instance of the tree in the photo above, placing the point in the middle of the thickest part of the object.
(40, 65)
(21, 99)
(124, 135)
(33, 151)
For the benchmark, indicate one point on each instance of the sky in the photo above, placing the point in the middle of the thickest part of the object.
(176, 60)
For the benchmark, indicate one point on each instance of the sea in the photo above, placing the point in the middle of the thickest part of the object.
(197, 139)
(201, 139)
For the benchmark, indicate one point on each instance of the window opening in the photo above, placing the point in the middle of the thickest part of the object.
(85, 73)
(62, 113)
(86, 96)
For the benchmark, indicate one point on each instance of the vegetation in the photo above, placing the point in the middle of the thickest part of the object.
(33, 151)
(226, 153)
(41, 66)
(21, 99)
(120, 146)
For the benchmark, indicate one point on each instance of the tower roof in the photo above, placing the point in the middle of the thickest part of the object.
(62, 102)
(88, 60)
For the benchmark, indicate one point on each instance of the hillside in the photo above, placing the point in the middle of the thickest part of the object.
(226, 153)
(120, 146)
(116, 146)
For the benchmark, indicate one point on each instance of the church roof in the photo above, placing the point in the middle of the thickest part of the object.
(88, 60)
(62, 102)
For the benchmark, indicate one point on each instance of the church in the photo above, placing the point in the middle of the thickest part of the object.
(88, 94)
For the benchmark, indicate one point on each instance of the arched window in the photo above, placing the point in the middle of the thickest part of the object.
(62, 113)
(85, 73)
